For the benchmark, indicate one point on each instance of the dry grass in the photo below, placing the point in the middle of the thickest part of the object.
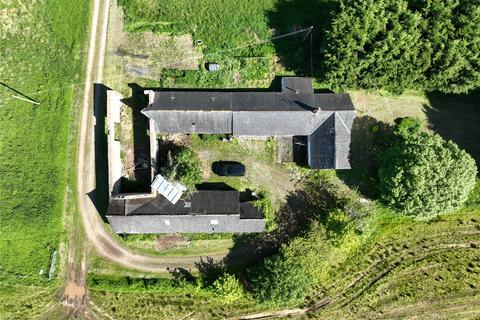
(144, 54)
(387, 108)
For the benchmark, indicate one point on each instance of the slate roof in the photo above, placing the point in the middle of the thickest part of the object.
(326, 118)
(296, 95)
(190, 224)
(202, 211)
(329, 145)
(200, 202)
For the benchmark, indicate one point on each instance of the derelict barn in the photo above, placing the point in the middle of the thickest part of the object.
(320, 123)
(203, 211)
(324, 119)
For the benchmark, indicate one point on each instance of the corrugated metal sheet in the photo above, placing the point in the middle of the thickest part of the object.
(172, 192)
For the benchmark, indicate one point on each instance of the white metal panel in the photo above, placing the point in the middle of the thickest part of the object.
(171, 191)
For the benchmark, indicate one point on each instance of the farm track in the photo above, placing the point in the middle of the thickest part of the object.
(378, 270)
(103, 241)
(343, 293)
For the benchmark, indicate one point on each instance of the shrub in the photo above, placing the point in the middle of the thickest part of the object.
(210, 270)
(281, 280)
(212, 138)
(425, 175)
(408, 128)
(228, 288)
(185, 166)
(265, 205)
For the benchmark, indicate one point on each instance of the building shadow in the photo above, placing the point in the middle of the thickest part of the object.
(221, 186)
(456, 117)
(369, 139)
(100, 195)
(141, 143)
(298, 52)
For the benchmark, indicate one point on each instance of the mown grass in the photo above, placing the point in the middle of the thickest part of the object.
(41, 56)
(124, 297)
(202, 245)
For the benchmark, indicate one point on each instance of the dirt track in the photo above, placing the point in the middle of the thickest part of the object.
(102, 240)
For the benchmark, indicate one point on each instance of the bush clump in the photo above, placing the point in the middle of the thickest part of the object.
(423, 175)
(183, 165)
(228, 288)
(281, 280)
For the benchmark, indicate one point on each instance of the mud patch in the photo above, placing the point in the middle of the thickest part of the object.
(171, 241)
(75, 293)
(205, 157)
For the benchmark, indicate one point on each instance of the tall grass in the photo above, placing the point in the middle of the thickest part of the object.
(43, 60)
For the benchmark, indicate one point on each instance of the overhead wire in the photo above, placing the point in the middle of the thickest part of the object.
(253, 43)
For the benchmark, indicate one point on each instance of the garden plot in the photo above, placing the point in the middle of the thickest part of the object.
(145, 54)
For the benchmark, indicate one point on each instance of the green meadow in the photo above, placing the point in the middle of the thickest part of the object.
(41, 57)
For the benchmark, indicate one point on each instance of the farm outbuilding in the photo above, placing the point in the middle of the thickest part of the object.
(324, 118)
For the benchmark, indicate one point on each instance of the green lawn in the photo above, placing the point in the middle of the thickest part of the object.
(41, 55)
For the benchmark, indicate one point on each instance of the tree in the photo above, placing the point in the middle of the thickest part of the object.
(281, 280)
(185, 166)
(376, 44)
(423, 176)
(405, 44)
(228, 288)
(454, 37)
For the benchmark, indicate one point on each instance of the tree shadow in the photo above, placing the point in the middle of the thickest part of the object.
(370, 138)
(456, 117)
(311, 202)
(298, 52)
(209, 270)
(141, 142)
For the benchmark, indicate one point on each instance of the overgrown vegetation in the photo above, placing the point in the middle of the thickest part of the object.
(264, 204)
(41, 52)
(400, 45)
(183, 165)
(221, 30)
(345, 244)
(228, 288)
(423, 175)
(281, 281)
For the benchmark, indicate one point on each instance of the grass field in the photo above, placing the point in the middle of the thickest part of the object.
(40, 57)
(236, 35)
(407, 269)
